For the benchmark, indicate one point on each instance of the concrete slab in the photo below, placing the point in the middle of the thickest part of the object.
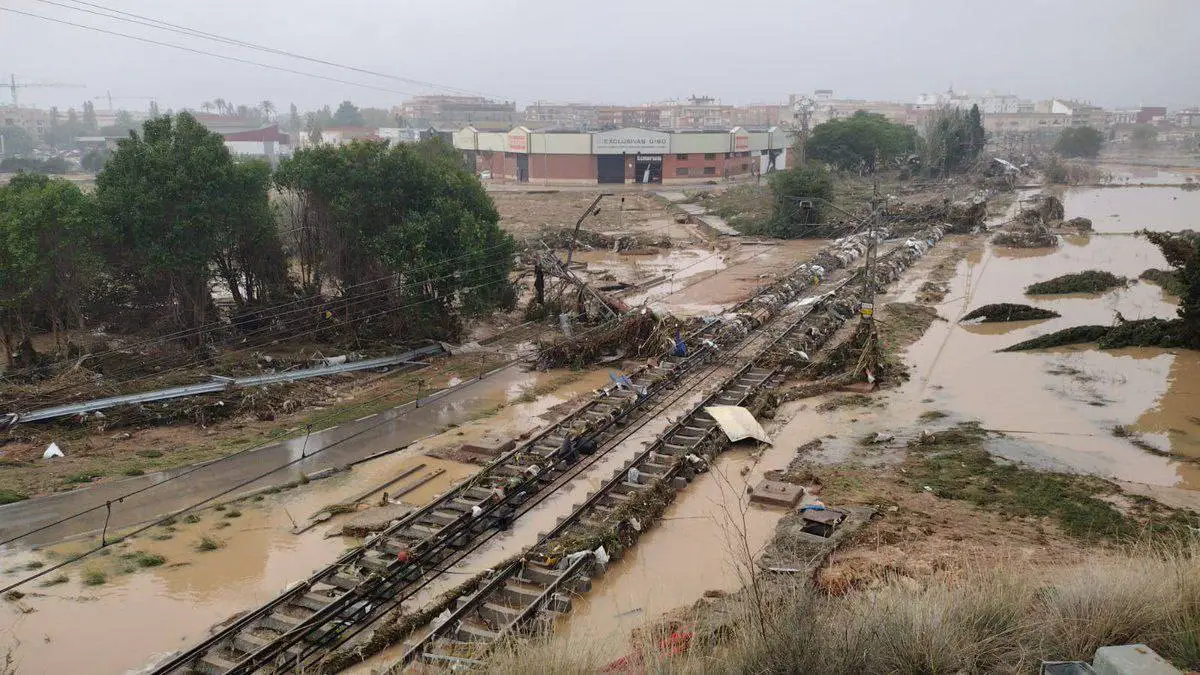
(375, 519)
(777, 493)
(1131, 660)
(489, 447)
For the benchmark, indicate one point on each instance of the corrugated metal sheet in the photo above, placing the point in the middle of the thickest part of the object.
(560, 144)
(737, 423)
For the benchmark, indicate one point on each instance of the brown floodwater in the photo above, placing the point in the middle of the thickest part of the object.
(140, 615)
(1133, 209)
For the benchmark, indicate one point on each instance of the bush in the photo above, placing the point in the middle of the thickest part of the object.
(1082, 141)
(798, 201)
(9, 496)
(93, 577)
(208, 544)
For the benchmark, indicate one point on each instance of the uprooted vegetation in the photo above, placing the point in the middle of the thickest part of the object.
(635, 335)
(1089, 281)
(1006, 311)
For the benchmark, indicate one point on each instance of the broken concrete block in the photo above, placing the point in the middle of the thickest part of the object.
(489, 448)
(777, 493)
(1131, 660)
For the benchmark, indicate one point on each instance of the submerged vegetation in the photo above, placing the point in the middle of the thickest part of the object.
(1090, 281)
(1009, 312)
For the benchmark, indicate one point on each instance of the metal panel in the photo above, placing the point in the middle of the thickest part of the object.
(560, 144)
(221, 385)
(610, 169)
(700, 142)
(496, 141)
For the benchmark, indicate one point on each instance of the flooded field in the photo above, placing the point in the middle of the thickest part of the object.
(1132, 209)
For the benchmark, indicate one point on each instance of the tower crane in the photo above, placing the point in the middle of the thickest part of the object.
(13, 86)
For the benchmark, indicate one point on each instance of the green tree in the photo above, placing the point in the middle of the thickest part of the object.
(249, 257)
(1144, 137)
(1182, 252)
(1082, 141)
(89, 118)
(407, 225)
(153, 109)
(347, 116)
(799, 199)
(94, 160)
(854, 143)
(170, 198)
(47, 257)
(377, 117)
(953, 140)
(17, 141)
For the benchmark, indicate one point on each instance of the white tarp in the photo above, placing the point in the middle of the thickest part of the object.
(737, 423)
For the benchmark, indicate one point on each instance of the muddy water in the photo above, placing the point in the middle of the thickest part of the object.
(1148, 175)
(1132, 209)
(1068, 400)
(137, 616)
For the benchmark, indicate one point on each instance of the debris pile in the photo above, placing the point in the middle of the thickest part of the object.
(590, 240)
(1090, 281)
(1006, 311)
(637, 334)
(1044, 210)
(960, 217)
(1036, 236)
(1079, 223)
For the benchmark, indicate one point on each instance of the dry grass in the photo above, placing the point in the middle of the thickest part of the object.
(998, 620)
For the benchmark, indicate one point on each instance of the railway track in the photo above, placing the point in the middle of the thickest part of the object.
(529, 593)
(297, 628)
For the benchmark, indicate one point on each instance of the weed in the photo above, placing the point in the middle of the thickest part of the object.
(191, 519)
(93, 577)
(220, 507)
(233, 513)
(167, 522)
(82, 477)
(8, 497)
(144, 559)
(55, 580)
(13, 596)
(208, 544)
(134, 472)
(149, 454)
(34, 565)
(162, 537)
(931, 415)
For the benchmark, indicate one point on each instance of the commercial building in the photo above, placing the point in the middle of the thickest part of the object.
(267, 143)
(35, 121)
(447, 110)
(615, 117)
(626, 155)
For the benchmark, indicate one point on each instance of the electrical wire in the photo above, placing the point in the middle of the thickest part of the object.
(202, 52)
(130, 17)
(268, 321)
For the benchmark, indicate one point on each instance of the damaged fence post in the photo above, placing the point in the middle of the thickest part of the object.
(304, 448)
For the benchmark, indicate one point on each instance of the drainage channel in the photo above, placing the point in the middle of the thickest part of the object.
(530, 592)
(352, 590)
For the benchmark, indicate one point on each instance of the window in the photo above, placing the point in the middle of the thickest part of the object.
(681, 157)
(710, 171)
(681, 171)
(710, 155)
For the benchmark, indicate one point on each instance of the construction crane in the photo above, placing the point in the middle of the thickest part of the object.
(110, 98)
(13, 86)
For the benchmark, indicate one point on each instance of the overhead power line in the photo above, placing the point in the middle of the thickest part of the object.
(139, 19)
(202, 52)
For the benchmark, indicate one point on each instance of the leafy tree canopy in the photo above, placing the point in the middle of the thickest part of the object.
(1082, 141)
(954, 139)
(856, 141)
(411, 216)
(347, 116)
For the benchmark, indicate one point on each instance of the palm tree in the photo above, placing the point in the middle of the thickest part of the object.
(206, 106)
(220, 103)
(267, 108)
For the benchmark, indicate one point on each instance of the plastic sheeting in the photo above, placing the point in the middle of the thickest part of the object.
(737, 423)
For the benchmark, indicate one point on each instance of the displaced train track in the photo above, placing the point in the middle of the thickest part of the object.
(536, 588)
(303, 624)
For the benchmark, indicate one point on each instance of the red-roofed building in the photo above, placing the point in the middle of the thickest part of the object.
(265, 143)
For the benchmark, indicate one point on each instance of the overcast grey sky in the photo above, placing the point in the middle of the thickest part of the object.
(1112, 52)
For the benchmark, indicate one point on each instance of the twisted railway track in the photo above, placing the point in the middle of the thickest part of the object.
(296, 630)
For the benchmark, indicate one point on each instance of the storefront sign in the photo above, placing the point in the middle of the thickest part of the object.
(649, 158)
(630, 141)
(741, 142)
(518, 141)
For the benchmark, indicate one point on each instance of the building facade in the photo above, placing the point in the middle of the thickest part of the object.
(35, 121)
(443, 110)
(625, 155)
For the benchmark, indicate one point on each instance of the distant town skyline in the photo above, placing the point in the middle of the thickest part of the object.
(1108, 52)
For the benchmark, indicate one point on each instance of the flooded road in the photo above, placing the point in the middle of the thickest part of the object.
(333, 447)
